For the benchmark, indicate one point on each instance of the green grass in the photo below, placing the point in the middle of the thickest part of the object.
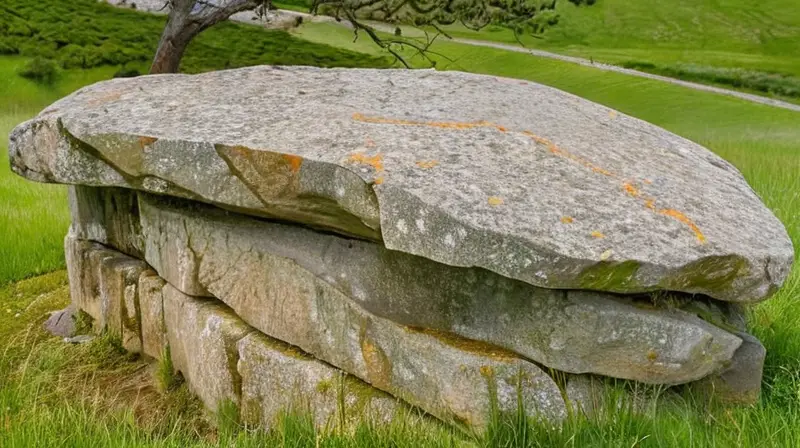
(33, 217)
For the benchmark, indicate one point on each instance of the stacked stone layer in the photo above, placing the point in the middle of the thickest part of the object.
(411, 252)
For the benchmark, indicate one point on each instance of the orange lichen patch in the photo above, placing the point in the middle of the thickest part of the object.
(628, 187)
(566, 220)
(427, 164)
(597, 234)
(567, 155)
(684, 219)
(378, 180)
(146, 141)
(294, 162)
(495, 200)
(379, 368)
(612, 114)
(375, 161)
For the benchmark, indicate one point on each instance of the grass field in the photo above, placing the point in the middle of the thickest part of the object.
(33, 217)
(119, 404)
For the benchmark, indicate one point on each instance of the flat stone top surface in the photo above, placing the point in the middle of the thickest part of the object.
(468, 170)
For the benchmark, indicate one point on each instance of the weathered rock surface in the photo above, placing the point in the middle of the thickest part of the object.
(740, 382)
(104, 284)
(62, 322)
(268, 271)
(526, 181)
(278, 378)
(151, 304)
(447, 376)
(202, 337)
(221, 357)
(106, 215)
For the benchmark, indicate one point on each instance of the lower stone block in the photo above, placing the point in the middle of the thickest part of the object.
(151, 305)
(740, 382)
(104, 284)
(277, 378)
(119, 282)
(202, 337)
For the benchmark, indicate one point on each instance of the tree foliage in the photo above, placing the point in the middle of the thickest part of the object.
(190, 17)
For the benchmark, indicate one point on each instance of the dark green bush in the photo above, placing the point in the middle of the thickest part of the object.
(127, 71)
(41, 70)
(772, 83)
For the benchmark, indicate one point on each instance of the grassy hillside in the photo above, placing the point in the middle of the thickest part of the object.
(88, 33)
(750, 45)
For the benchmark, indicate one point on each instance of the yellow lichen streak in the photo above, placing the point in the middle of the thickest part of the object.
(495, 200)
(427, 164)
(684, 219)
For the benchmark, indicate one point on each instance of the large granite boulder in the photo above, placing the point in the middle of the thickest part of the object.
(514, 177)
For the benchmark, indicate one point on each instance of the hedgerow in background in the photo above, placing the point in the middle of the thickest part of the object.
(87, 33)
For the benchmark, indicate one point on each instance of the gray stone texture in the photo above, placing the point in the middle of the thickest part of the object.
(104, 284)
(106, 215)
(279, 378)
(119, 281)
(445, 375)
(266, 270)
(62, 322)
(528, 181)
(151, 304)
(202, 336)
(739, 382)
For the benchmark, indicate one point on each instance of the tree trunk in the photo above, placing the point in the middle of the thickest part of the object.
(183, 25)
(179, 31)
(170, 51)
